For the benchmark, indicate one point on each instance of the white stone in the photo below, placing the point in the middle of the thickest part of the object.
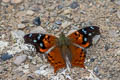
(17, 34)
(21, 26)
(38, 30)
(16, 1)
(30, 12)
(6, 1)
(118, 14)
(26, 66)
(67, 11)
(3, 45)
(66, 24)
(20, 59)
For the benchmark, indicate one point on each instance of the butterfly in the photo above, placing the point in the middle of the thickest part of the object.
(64, 51)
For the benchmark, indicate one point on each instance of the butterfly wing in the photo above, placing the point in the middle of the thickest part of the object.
(42, 42)
(78, 57)
(55, 59)
(83, 38)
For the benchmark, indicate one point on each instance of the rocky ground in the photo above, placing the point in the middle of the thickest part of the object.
(19, 61)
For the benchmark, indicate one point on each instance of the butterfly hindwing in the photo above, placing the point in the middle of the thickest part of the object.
(55, 59)
(42, 42)
(83, 37)
(78, 57)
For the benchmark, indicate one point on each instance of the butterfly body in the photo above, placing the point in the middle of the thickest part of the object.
(64, 51)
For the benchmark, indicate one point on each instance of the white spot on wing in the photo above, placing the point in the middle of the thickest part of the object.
(39, 36)
(41, 44)
(90, 34)
(85, 39)
(34, 41)
(85, 32)
(30, 35)
(92, 27)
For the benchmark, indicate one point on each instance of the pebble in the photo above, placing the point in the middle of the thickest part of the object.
(38, 30)
(6, 1)
(65, 24)
(17, 34)
(6, 56)
(96, 70)
(26, 66)
(67, 11)
(30, 12)
(60, 6)
(92, 59)
(3, 45)
(21, 26)
(58, 22)
(20, 59)
(16, 1)
(54, 26)
(74, 5)
(107, 46)
(37, 21)
(117, 2)
(118, 14)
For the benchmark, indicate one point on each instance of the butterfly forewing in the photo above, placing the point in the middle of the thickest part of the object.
(83, 37)
(42, 42)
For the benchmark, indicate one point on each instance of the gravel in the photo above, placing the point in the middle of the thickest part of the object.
(20, 17)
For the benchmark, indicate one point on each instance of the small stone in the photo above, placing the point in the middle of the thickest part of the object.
(107, 46)
(96, 70)
(6, 1)
(21, 26)
(30, 12)
(117, 2)
(118, 53)
(76, 19)
(60, 6)
(17, 34)
(118, 14)
(6, 56)
(67, 11)
(54, 26)
(65, 24)
(16, 1)
(92, 59)
(38, 30)
(3, 45)
(26, 66)
(37, 21)
(74, 5)
(20, 59)
(58, 22)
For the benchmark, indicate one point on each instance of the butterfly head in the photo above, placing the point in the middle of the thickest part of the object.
(63, 40)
